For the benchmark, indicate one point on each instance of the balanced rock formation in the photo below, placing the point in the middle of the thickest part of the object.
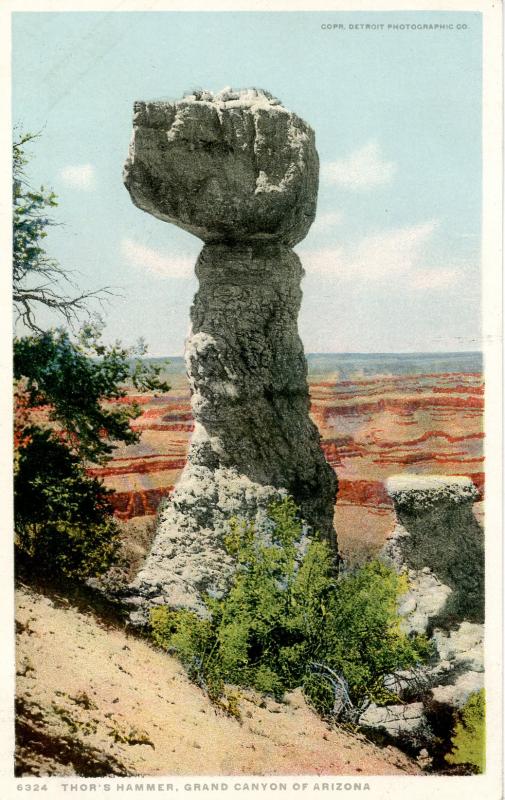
(241, 172)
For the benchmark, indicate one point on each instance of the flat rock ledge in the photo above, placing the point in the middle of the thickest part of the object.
(422, 493)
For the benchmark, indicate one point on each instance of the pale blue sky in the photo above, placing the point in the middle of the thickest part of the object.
(392, 261)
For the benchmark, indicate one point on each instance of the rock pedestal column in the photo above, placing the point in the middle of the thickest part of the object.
(439, 540)
(239, 171)
(439, 546)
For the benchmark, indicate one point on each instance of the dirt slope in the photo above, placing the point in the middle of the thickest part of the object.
(94, 700)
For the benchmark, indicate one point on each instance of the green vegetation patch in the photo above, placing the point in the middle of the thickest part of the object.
(288, 621)
(469, 739)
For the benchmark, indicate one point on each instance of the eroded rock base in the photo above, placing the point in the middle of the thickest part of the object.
(254, 441)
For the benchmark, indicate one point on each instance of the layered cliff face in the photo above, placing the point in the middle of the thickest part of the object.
(239, 171)
(417, 423)
(370, 427)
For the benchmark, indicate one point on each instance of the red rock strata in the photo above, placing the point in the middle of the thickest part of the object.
(370, 427)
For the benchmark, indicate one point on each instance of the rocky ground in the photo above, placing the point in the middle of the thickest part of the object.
(94, 699)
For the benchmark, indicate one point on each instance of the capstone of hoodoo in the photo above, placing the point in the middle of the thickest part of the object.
(239, 171)
(231, 166)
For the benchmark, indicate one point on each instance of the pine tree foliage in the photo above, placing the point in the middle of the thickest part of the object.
(71, 403)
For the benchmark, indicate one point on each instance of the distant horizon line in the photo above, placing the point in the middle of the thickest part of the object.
(374, 353)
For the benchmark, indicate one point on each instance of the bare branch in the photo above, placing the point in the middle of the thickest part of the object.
(37, 277)
(69, 308)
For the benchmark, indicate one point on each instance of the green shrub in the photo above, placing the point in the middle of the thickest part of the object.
(74, 381)
(63, 517)
(287, 621)
(469, 739)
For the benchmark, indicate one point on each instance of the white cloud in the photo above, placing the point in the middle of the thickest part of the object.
(434, 278)
(328, 261)
(158, 263)
(330, 219)
(399, 254)
(391, 253)
(82, 176)
(363, 169)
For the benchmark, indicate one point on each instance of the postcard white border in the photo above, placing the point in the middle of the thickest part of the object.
(487, 786)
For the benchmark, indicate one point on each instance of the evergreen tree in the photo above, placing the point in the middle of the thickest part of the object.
(65, 410)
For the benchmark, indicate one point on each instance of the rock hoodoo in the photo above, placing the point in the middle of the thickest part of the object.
(438, 535)
(439, 546)
(240, 172)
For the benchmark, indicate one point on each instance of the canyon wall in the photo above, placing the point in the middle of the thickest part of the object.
(370, 428)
